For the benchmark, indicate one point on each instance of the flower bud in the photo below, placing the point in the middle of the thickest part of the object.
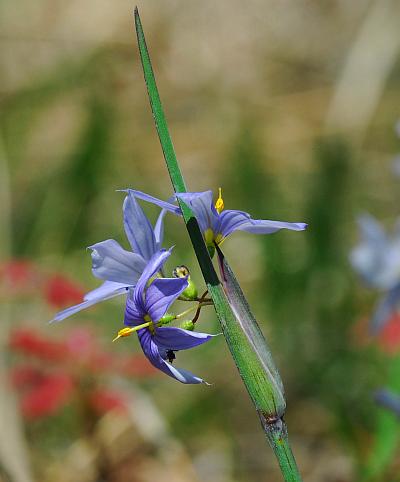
(190, 293)
(167, 318)
(181, 271)
(187, 325)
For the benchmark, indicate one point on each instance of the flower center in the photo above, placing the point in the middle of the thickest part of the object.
(151, 324)
(219, 203)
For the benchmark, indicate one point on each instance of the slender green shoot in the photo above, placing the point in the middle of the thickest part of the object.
(260, 386)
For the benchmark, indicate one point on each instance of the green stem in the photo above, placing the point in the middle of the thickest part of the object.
(193, 308)
(249, 369)
(277, 436)
(167, 147)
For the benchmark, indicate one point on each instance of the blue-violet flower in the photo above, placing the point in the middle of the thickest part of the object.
(145, 307)
(119, 268)
(216, 223)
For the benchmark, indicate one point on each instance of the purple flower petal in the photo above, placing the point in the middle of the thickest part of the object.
(107, 288)
(112, 263)
(202, 205)
(232, 220)
(134, 313)
(138, 228)
(153, 266)
(163, 204)
(182, 375)
(159, 229)
(86, 304)
(171, 338)
(228, 221)
(261, 226)
(161, 294)
(151, 351)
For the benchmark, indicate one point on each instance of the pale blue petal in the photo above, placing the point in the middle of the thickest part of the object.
(151, 351)
(86, 304)
(182, 375)
(233, 220)
(371, 230)
(263, 226)
(172, 338)
(107, 288)
(367, 262)
(159, 229)
(138, 228)
(202, 205)
(163, 204)
(111, 262)
(228, 221)
(161, 294)
(377, 257)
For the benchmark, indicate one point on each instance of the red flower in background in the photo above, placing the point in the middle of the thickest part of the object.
(389, 337)
(17, 272)
(35, 345)
(52, 371)
(21, 277)
(41, 394)
(103, 401)
(79, 367)
(18, 275)
(59, 291)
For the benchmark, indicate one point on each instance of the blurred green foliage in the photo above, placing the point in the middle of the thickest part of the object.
(81, 128)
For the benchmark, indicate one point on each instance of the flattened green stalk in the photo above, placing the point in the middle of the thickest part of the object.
(248, 348)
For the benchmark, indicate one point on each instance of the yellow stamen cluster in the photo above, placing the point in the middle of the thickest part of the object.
(219, 203)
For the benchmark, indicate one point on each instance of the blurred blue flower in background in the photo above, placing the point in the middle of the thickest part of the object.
(119, 268)
(386, 398)
(396, 165)
(146, 306)
(377, 260)
(396, 160)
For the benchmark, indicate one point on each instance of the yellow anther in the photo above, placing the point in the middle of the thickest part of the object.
(128, 331)
(124, 332)
(219, 203)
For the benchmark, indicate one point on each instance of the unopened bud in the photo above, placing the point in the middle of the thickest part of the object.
(190, 293)
(181, 271)
(167, 318)
(187, 325)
